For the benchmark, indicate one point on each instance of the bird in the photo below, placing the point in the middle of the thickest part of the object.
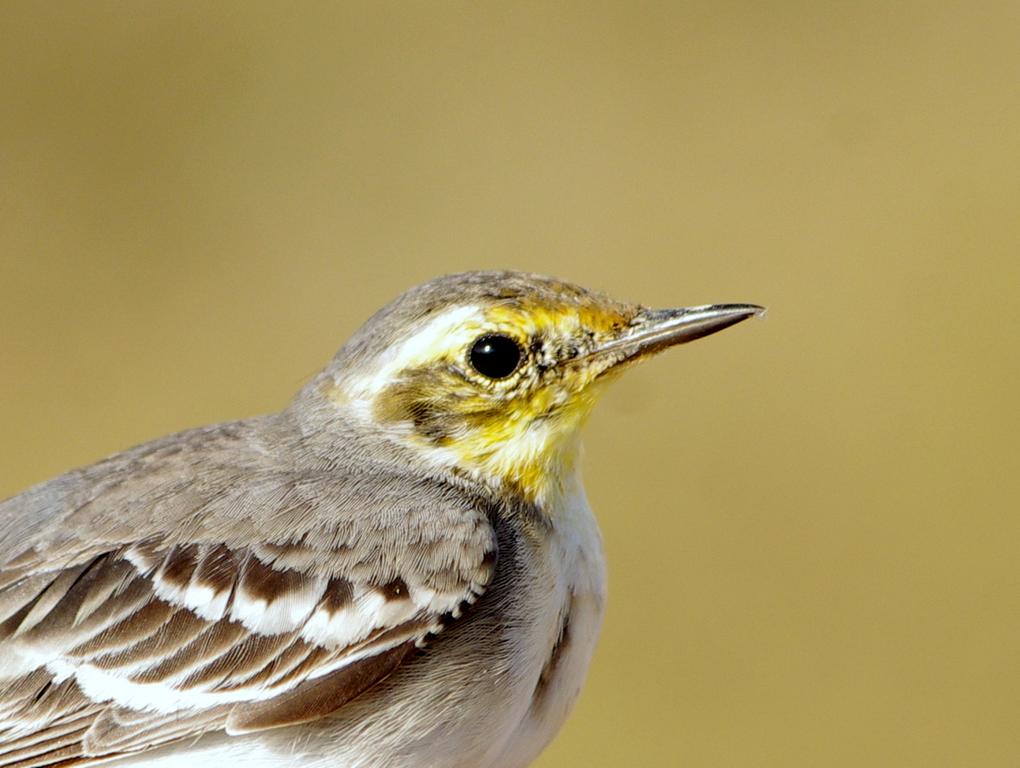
(400, 569)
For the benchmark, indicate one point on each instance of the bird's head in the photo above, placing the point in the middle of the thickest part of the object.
(492, 374)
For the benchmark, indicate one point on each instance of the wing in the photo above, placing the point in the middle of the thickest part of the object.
(182, 589)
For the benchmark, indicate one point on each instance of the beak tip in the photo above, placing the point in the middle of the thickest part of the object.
(755, 312)
(692, 323)
(747, 310)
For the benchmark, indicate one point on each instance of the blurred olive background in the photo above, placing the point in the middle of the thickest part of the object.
(811, 521)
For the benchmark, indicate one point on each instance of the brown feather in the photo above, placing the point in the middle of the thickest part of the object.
(50, 598)
(181, 629)
(179, 565)
(110, 734)
(292, 659)
(263, 582)
(61, 756)
(339, 593)
(137, 627)
(217, 570)
(245, 658)
(317, 698)
(41, 741)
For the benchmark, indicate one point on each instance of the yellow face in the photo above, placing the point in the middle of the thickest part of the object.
(499, 391)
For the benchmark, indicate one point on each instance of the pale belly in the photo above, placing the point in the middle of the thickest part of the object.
(577, 567)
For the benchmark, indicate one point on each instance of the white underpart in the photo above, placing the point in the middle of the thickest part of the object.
(577, 569)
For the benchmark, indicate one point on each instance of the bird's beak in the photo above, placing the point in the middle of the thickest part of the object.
(654, 330)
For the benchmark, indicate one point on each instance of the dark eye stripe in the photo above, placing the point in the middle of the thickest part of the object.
(495, 356)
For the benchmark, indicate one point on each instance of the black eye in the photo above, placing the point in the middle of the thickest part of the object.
(495, 356)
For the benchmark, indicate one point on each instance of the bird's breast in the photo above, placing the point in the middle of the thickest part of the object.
(569, 611)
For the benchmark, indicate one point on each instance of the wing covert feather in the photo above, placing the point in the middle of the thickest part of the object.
(193, 585)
